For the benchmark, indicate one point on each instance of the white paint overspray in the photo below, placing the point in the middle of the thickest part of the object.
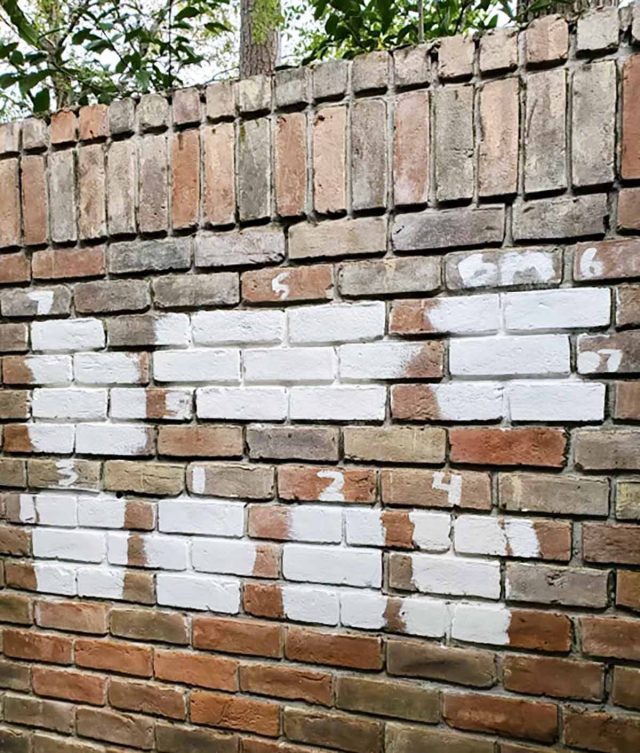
(280, 287)
(43, 300)
(453, 488)
(607, 359)
(590, 267)
(67, 474)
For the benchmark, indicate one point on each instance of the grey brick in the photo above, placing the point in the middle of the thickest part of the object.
(412, 65)
(254, 94)
(448, 228)
(369, 154)
(365, 235)
(153, 206)
(62, 195)
(196, 291)
(221, 100)
(293, 442)
(35, 134)
(122, 116)
(10, 137)
(291, 86)
(107, 296)
(390, 276)
(598, 30)
(455, 57)
(499, 50)
(240, 247)
(546, 584)
(454, 142)
(548, 219)
(254, 169)
(330, 79)
(499, 268)
(153, 112)
(370, 71)
(152, 255)
(54, 300)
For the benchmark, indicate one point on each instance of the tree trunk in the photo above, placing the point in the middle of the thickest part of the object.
(569, 9)
(259, 47)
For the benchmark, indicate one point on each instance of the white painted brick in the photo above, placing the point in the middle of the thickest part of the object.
(338, 403)
(317, 523)
(101, 512)
(287, 365)
(468, 401)
(50, 369)
(363, 609)
(101, 582)
(242, 403)
(600, 360)
(70, 404)
(77, 546)
(131, 402)
(386, 360)
(311, 604)
(556, 401)
(557, 309)
(364, 527)
(67, 335)
(113, 439)
(483, 534)
(456, 576)
(503, 269)
(334, 565)
(465, 315)
(197, 365)
(55, 509)
(213, 517)
(172, 329)
(481, 623)
(431, 530)
(224, 556)
(53, 438)
(243, 327)
(199, 592)
(428, 618)
(55, 579)
(106, 368)
(337, 322)
(510, 356)
(160, 552)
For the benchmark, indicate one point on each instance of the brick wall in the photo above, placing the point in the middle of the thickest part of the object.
(319, 410)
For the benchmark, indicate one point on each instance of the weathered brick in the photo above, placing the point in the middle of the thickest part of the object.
(35, 200)
(628, 306)
(196, 291)
(545, 126)
(498, 50)
(186, 106)
(626, 687)
(606, 260)
(422, 488)
(10, 215)
(231, 480)
(51, 715)
(15, 609)
(149, 625)
(351, 734)
(35, 133)
(188, 667)
(330, 79)
(629, 209)
(155, 255)
(122, 114)
(185, 179)
(154, 199)
(51, 301)
(153, 112)
(607, 450)
(396, 444)
(561, 495)
(75, 617)
(455, 57)
(593, 121)
(329, 159)
(291, 86)
(114, 656)
(64, 127)
(534, 446)
(15, 269)
(312, 283)
(144, 478)
(79, 687)
(498, 147)
(147, 698)
(72, 474)
(338, 650)
(121, 186)
(244, 248)
(368, 154)
(370, 71)
(254, 93)
(287, 682)
(546, 584)
(630, 164)
(13, 338)
(628, 500)
(441, 229)
(174, 739)
(411, 148)
(254, 173)
(616, 544)
(293, 442)
(512, 717)
(290, 164)
(547, 219)
(111, 296)
(219, 199)
(601, 731)
(112, 727)
(547, 40)
(412, 739)
(364, 235)
(247, 637)
(37, 646)
(598, 30)
(454, 143)
(61, 263)
(412, 65)
(309, 483)
(93, 122)
(14, 676)
(612, 637)
(200, 441)
(92, 220)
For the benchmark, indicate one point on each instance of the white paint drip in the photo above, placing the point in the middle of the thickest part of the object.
(279, 287)
(453, 488)
(43, 300)
(334, 491)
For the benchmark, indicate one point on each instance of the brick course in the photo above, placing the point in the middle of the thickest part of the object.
(319, 408)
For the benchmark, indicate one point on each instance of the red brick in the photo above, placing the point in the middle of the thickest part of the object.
(628, 589)
(232, 712)
(64, 127)
(540, 631)
(237, 636)
(338, 650)
(14, 268)
(329, 160)
(307, 483)
(77, 617)
(9, 204)
(610, 260)
(531, 720)
(23, 644)
(288, 284)
(499, 129)
(628, 306)
(520, 447)
(630, 165)
(93, 122)
(200, 441)
(599, 731)
(629, 209)
(189, 668)
(558, 678)
(185, 179)
(263, 600)
(219, 200)
(626, 687)
(114, 656)
(147, 698)
(52, 264)
(287, 682)
(547, 39)
(411, 148)
(14, 541)
(611, 637)
(35, 200)
(13, 338)
(79, 687)
(605, 543)
(291, 164)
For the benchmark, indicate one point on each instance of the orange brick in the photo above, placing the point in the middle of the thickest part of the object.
(529, 447)
(79, 687)
(189, 668)
(230, 712)
(237, 636)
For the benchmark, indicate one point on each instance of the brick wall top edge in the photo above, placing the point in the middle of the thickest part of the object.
(544, 42)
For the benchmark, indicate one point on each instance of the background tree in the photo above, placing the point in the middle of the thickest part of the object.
(260, 22)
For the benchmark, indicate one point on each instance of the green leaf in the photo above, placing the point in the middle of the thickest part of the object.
(42, 101)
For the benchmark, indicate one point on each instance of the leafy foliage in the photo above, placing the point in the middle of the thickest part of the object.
(54, 54)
